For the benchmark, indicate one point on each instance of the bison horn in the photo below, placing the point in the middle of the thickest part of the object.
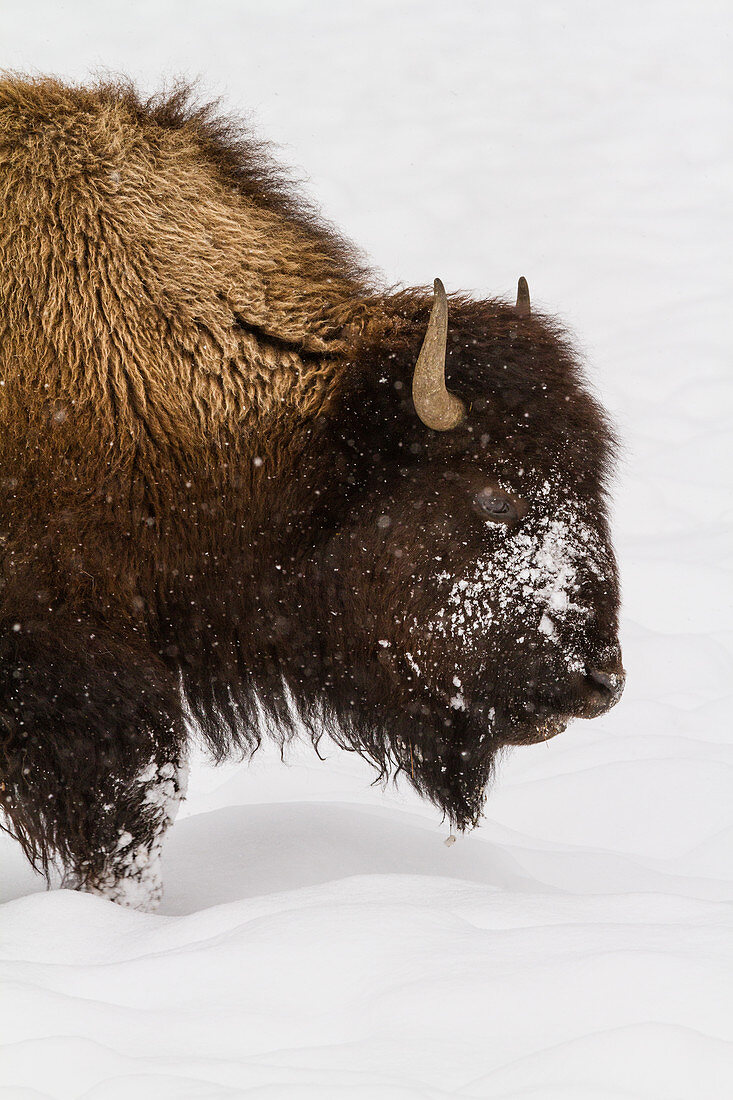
(436, 407)
(522, 307)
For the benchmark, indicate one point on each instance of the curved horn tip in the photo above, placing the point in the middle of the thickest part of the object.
(523, 303)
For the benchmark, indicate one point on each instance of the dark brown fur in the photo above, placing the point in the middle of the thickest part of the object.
(205, 416)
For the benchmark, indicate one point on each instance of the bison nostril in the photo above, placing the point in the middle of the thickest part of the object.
(605, 680)
(609, 685)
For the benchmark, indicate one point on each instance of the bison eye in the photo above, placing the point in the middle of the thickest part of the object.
(497, 506)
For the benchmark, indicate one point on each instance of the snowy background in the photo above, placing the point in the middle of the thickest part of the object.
(317, 939)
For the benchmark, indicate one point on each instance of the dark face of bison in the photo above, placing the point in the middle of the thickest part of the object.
(467, 599)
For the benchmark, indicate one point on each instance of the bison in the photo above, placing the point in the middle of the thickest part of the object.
(246, 487)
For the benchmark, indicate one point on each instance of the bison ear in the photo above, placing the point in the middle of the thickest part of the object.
(522, 307)
(436, 407)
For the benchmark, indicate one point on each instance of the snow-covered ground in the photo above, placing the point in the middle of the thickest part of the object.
(317, 939)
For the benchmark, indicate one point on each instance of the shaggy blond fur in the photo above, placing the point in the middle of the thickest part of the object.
(160, 300)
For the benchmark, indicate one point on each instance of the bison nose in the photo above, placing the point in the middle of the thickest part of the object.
(607, 680)
(604, 688)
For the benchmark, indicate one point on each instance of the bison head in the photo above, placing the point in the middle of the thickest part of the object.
(463, 583)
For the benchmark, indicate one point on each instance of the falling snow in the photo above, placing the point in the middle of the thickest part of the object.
(317, 938)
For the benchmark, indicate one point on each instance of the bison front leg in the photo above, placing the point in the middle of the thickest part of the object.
(122, 860)
(91, 756)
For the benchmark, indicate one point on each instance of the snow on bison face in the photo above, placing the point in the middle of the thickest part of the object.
(530, 621)
(477, 587)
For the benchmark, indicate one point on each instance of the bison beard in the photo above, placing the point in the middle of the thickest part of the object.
(241, 481)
